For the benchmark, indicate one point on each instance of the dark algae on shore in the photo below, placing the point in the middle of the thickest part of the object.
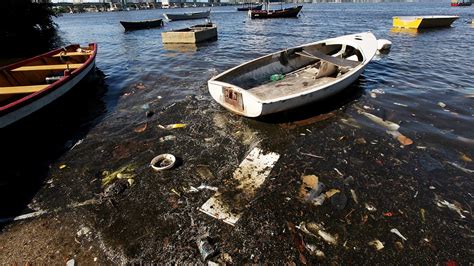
(376, 197)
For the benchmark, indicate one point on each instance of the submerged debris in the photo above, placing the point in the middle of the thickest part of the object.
(316, 230)
(451, 206)
(395, 231)
(206, 248)
(125, 172)
(376, 244)
(250, 175)
(312, 191)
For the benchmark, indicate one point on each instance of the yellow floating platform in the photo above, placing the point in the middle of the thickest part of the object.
(423, 22)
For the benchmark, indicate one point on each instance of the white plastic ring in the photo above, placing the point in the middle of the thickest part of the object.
(164, 161)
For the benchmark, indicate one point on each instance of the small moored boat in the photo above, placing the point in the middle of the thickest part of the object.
(194, 34)
(423, 22)
(29, 85)
(186, 16)
(144, 24)
(293, 77)
(461, 3)
(291, 12)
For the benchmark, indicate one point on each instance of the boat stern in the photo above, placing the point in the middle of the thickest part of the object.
(235, 99)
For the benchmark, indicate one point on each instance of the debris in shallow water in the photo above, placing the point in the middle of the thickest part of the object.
(71, 262)
(206, 249)
(370, 207)
(339, 172)
(311, 190)
(360, 141)
(354, 196)
(379, 121)
(395, 231)
(140, 86)
(373, 95)
(404, 140)
(422, 214)
(465, 158)
(441, 104)
(204, 172)
(125, 172)
(314, 251)
(314, 229)
(250, 175)
(163, 162)
(141, 128)
(400, 104)
(451, 206)
(167, 138)
(116, 188)
(202, 186)
(312, 155)
(398, 245)
(469, 171)
(62, 166)
(77, 143)
(332, 192)
(376, 244)
(172, 126)
(84, 231)
(387, 214)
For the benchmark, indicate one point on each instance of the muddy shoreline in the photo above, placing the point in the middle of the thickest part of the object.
(156, 219)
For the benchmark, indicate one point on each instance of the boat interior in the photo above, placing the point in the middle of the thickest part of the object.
(196, 28)
(303, 67)
(35, 75)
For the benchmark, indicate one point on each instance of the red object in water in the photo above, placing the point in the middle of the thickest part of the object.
(451, 263)
(387, 214)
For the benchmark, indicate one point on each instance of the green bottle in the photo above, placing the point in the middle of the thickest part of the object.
(277, 77)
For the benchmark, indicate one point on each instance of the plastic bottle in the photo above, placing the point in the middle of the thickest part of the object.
(277, 77)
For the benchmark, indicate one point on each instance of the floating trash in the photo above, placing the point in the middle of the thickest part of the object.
(125, 172)
(250, 175)
(370, 207)
(167, 138)
(163, 162)
(207, 249)
(141, 128)
(173, 126)
(379, 121)
(395, 231)
(316, 230)
(451, 206)
(376, 244)
(441, 104)
(311, 190)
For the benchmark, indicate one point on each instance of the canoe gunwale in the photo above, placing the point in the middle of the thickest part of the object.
(10, 107)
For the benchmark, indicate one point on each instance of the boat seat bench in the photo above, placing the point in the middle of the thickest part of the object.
(22, 89)
(47, 67)
(334, 60)
(71, 54)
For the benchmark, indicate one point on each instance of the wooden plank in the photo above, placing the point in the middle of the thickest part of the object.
(334, 60)
(22, 89)
(47, 67)
(72, 54)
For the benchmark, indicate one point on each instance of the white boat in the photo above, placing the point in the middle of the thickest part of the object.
(186, 16)
(293, 77)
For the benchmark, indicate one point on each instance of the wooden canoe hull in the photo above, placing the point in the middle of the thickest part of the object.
(282, 13)
(244, 102)
(28, 105)
(423, 22)
(187, 16)
(138, 25)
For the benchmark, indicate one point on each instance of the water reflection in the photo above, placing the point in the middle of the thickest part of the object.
(30, 145)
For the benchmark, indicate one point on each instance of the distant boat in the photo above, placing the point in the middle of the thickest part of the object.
(423, 22)
(291, 12)
(194, 34)
(145, 24)
(293, 77)
(250, 7)
(31, 84)
(185, 16)
(461, 3)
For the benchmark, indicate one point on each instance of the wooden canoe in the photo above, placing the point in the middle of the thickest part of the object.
(311, 72)
(291, 12)
(186, 16)
(138, 25)
(29, 85)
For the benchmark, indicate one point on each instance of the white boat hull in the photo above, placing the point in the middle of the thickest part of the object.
(36, 105)
(250, 105)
